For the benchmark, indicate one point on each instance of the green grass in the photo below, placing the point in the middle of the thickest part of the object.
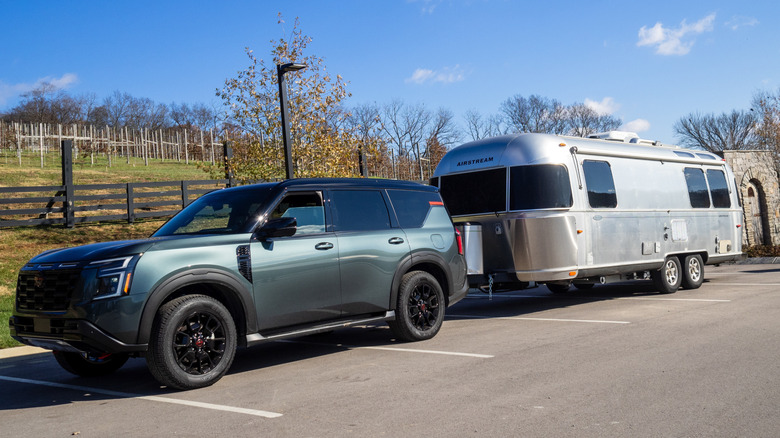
(18, 245)
(30, 172)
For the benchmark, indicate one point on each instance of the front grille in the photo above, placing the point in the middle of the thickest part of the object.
(46, 290)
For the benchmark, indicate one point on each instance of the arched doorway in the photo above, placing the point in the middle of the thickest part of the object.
(756, 214)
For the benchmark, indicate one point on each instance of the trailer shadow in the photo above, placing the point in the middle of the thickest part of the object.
(529, 301)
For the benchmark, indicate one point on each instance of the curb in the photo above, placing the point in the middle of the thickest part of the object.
(7, 353)
(760, 261)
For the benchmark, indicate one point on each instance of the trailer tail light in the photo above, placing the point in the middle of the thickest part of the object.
(459, 239)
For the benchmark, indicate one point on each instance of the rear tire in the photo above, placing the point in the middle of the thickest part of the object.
(693, 272)
(420, 308)
(88, 364)
(193, 342)
(668, 279)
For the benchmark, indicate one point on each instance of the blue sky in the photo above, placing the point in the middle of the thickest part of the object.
(648, 63)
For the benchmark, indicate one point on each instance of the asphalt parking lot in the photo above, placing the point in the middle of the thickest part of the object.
(616, 360)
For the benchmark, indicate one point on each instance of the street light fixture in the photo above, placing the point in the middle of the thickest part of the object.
(281, 69)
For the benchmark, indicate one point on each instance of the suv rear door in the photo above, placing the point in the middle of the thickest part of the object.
(371, 246)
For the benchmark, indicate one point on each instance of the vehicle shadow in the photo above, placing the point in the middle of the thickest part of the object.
(540, 299)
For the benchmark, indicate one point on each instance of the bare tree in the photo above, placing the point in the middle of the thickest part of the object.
(535, 114)
(584, 121)
(479, 127)
(767, 105)
(714, 133)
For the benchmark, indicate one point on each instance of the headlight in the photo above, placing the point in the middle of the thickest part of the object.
(113, 276)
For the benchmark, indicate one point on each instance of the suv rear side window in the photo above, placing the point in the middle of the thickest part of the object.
(697, 188)
(412, 207)
(359, 210)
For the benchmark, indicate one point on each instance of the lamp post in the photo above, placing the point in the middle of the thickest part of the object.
(281, 69)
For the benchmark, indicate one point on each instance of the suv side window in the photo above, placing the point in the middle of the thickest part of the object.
(412, 207)
(307, 210)
(359, 210)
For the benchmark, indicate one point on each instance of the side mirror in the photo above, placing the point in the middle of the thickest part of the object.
(279, 227)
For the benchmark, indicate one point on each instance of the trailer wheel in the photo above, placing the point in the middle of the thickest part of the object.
(693, 272)
(667, 279)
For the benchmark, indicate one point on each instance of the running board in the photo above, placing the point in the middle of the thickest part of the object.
(257, 338)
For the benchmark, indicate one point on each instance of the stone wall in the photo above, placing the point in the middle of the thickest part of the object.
(759, 190)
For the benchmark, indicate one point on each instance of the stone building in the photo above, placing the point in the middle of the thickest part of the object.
(759, 190)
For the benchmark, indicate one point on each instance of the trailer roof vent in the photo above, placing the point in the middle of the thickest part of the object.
(621, 136)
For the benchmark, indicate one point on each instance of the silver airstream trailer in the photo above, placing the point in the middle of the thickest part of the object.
(556, 210)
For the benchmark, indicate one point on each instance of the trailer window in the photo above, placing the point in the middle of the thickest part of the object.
(541, 186)
(601, 185)
(474, 192)
(719, 189)
(697, 188)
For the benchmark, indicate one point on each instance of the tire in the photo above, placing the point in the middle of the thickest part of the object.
(668, 279)
(558, 288)
(193, 342)
(693, 272)
(88, 364)
(420, 307)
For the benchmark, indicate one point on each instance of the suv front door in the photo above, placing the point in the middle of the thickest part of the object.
(296, 279)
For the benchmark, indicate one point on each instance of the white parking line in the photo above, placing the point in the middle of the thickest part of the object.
(745, 284)
(155, 398)
(405, 350)
(704, 300)
(519, 318)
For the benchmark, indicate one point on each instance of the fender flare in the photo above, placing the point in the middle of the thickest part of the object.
(418, 258)
(237, 293)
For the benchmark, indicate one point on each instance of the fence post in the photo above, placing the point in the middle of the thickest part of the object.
(130, 204)
(228, 156)
(67, 181)
(185, 194)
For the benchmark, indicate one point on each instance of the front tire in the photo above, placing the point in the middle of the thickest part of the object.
(420, 307)
(693, 272)
(193, 342)
(668, 279)
(89, 364)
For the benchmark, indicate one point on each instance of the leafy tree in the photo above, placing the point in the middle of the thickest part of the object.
(252, 101)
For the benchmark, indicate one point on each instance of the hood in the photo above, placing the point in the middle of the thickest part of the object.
(95, 251)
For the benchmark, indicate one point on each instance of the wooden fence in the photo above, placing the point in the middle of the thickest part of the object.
(50, 205)
(69, 204)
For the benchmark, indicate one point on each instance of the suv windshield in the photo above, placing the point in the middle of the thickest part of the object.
(219, 212)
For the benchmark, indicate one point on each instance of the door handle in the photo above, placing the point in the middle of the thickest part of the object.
(395, 241)
(323, 246)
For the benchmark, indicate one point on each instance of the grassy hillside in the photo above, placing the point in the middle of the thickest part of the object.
(18, 245)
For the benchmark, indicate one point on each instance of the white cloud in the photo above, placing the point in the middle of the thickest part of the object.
(606, 106)
(638, 125)
(8, 91)
(668, 41)
(446, 75)
(738, 21)
(428, 6)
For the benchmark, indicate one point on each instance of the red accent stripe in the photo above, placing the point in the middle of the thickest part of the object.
(436, 203)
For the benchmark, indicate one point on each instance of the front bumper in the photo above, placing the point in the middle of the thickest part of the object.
(67, 335)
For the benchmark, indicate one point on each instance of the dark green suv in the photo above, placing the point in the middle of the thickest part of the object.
(245, 265)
